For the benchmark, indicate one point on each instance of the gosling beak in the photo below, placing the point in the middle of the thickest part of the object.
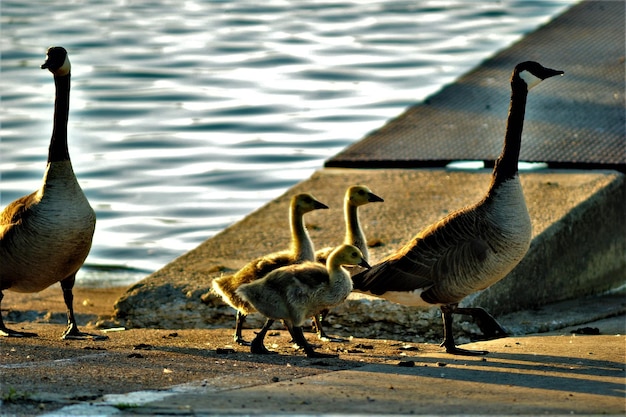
(364, 264)
(319, 205)
(373, 198)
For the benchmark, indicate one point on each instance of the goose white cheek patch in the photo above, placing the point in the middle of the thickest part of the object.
(529, 79)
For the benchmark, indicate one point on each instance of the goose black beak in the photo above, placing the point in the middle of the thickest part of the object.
(551, 73)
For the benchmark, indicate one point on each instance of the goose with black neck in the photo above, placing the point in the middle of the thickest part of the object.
(46, 236)
(472, 248)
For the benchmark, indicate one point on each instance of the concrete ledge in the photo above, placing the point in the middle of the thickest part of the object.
(578, 247)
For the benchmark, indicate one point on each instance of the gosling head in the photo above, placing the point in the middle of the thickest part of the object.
(305, 203)
(358, 195)
(347, 255)
(532, 73)
(57, 61)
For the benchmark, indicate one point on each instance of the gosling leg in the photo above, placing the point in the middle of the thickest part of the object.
(239, 321)
(298, 337)
(257, 346)
(321, 333)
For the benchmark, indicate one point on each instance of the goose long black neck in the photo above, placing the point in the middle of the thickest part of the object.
(58, 150)
(507, 163)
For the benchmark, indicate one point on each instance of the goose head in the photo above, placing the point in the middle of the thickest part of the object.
(57, 61)
(532, 73)
(304, 203)
(347, 255)
(358, 195)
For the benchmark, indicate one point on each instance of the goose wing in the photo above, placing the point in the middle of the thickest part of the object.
(445, 249)
(15, 213)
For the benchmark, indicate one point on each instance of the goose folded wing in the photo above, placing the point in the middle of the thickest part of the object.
(392, 274)
(17, 210)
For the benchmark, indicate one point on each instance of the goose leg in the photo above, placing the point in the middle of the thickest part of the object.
(257, 346)
(72, 331)
(298, 337)
(448, 337)
(486, 322)
(6, 332)
(321, 334)
(239, 321)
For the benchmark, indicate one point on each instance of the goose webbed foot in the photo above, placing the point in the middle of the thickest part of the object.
(487, 324)
(72, 333)
(6, 332)
(298, 337)
(455, 350)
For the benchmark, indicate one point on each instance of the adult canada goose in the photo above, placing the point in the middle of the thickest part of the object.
(46, 236)
(473, 248)
(356, 196)
(295, 292)
(301, 250)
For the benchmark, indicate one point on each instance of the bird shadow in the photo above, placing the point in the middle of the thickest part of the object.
(528, 370)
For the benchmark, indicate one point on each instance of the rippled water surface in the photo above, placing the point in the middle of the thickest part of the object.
(187, 115)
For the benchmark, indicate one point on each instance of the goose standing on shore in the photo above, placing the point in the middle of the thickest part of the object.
(473, 248)
(355, 197)
(46, 236)
(295, 292)
(301, 250)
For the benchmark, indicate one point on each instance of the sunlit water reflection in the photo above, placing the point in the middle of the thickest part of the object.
(186, 116)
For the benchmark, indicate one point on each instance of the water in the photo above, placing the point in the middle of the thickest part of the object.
(188, 115)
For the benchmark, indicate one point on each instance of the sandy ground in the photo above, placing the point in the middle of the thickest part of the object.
(44, 373)
(585, 374)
